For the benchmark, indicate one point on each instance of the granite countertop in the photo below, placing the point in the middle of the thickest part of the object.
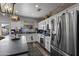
(9, 47)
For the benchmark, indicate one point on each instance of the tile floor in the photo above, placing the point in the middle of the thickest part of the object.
(35, 50)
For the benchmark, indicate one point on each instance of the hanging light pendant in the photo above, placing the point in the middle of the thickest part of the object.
(6, 8)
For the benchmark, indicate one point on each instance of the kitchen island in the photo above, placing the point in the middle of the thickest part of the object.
(9, 47)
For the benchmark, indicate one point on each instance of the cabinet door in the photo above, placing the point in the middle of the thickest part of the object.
(47, 43)
(28, 38)
(38, 39)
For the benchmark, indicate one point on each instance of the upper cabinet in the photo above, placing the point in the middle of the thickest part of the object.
(41, 25)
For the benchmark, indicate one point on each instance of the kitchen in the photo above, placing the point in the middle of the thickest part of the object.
(54, 30)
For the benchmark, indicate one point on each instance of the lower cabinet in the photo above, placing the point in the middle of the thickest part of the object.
(47, 43)
(31, 37)
(38, 37)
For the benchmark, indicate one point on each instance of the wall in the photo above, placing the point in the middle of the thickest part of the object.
(6, 19)
(20, 23)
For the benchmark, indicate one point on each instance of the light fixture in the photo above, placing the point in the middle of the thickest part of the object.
(36, 6)
(7, 8)
(17, 11)
(15, 18)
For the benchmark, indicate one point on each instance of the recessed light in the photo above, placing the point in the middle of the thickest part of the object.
(17, 11)
(36, 6)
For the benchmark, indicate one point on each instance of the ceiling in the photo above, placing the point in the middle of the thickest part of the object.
(38, 10)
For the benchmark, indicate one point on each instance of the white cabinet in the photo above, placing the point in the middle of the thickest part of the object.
(41, 25)
(31, 37)
(28, 37)
(38, 39)
(35, 37)
(44, 25)
(47, 43)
